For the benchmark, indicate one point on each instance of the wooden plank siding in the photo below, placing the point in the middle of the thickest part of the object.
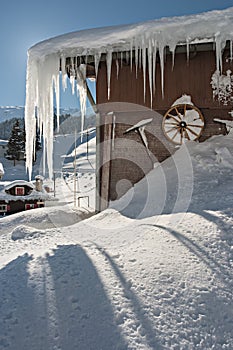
(191, 77)
(129, 159)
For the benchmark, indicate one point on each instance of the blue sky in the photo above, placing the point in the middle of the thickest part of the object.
(26, 22)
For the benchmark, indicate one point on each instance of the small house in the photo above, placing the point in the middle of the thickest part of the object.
(21, 195)
(159, 84)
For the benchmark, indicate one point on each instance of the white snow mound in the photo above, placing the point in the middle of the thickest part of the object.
(114, 283)
(21, 232)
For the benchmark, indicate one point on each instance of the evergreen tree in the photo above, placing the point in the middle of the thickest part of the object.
(37, 144)
(16, 143)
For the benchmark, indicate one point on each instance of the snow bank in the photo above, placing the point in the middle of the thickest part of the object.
(21, 232)
(149, 38)
(189, 180)
(184, 99)
(1, 169)
(44, 218)
(111, 282)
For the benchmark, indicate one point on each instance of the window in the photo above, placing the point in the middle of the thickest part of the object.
(3, 208)
(19, 191)
(29, 206)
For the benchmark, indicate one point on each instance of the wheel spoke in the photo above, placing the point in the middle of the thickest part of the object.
(195, 126)
(178, 113)
(181, 136)
(175, 134)
(175, 127)
(184, 110)
(187, 135)
(193, 132)
(170, 123)
(173, 117)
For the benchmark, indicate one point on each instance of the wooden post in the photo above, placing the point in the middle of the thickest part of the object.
(54, 184)
(75, 154)
(87, 142)
(106, 149)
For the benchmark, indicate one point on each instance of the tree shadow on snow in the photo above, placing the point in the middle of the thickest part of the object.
(214, 305)
(150, 333)
(59, 304)
(17, 305)
(200, 253)
(84, 314)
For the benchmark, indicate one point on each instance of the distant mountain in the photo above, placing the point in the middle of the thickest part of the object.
(10, 112)
(69, 120)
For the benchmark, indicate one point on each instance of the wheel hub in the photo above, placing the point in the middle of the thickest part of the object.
(183, 125)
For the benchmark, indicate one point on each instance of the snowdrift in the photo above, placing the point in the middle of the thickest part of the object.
(144, 281)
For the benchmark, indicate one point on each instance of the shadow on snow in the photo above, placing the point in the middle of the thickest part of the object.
(60, 303)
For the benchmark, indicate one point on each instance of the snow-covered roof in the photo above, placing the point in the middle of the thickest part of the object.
(3, 142)
(33, 195)
(214, 25)
(1, 169)
(147, 39)
(18, 183)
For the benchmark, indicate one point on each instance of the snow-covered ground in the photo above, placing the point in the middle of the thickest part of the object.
(154, 271)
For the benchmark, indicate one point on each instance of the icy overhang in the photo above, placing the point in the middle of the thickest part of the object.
(167, 31)
(142, 41)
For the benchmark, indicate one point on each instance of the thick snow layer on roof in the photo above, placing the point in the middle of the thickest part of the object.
(169, 31)
(1, 169)
(33, 195)
(147, 39)
(19, 183)
(3, 142)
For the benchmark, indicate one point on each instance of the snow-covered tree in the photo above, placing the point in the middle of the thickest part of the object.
(16, 143)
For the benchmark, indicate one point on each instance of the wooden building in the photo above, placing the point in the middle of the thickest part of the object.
(192, 77)
(142, 71)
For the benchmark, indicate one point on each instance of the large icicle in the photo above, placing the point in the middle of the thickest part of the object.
(30, 108)
(56, 80)
(82, 91)
(187, 49)
(72, 76)
(219, 48)
(97, 61)
(150, 71)
(42, 79)
(172, 48)
(109, 69)
(64, 73)
(117, 68)
(48, 73)
(144, 66)
(154, 64)
(136, 56)
(161, 55)
(131, 55)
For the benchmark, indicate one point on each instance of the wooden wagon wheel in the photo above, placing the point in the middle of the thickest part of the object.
(183, 122)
